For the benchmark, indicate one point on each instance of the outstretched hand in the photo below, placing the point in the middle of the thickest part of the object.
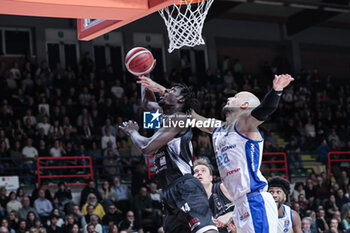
(219, 223)
(150, 84)
(232, 227)
(223, 220)
(129, 126)
(281, 81)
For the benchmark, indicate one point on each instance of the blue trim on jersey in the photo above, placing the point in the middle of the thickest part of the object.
(291, 216)
(252, 152)
(247, 137)
(284, 212)
(262, 136)
(228, 130)
(258, 212)
(216, 128)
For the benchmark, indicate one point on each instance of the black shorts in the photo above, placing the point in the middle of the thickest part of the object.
(186, 207)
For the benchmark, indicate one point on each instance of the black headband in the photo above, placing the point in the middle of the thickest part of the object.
(279, 186)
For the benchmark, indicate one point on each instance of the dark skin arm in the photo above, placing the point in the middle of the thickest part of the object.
(150, 145)
(296, 222)
(149, 100)
(154, 87)
(202, 118)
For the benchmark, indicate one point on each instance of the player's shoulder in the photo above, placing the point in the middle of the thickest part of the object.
(295, 217)
(294, 213)
(287, 208)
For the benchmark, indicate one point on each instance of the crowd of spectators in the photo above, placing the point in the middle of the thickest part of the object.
(108, 209)
(59, 112)
(322, 203)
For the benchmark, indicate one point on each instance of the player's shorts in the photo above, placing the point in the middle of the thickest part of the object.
(256, 212)
(186, 207)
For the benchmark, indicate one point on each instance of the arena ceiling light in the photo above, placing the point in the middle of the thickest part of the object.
(273, 3)
(235, 0)
(303, 6)
(336, 10)
(241, 0)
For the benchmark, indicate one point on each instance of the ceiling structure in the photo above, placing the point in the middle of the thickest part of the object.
(297, 15)
(111, 14)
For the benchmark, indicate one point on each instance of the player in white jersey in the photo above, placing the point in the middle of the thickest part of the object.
(238, 147)
(288, 219)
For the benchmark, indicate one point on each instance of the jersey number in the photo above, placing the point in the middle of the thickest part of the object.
(222, 159)
(185, 208)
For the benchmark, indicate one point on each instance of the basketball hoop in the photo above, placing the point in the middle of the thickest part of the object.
(184, 21)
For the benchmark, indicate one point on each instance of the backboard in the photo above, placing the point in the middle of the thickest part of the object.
(110, 14)
(91, 28)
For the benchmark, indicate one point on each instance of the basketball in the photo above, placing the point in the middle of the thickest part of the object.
(139, 61)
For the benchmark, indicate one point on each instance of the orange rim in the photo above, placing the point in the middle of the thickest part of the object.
(186, 2)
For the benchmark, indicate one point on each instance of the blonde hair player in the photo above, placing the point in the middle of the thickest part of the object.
(219, 199)
(238, 147)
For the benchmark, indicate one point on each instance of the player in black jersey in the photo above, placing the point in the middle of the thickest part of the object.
(185, 201)
(220, 201)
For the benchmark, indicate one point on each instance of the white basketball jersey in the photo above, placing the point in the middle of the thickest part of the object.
(285, 223)
(238, 159)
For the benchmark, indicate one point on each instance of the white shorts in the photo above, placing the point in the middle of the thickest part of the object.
(256, 212)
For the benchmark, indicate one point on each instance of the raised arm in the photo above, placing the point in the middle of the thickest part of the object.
(268, 105)
(209, 129)
(148, 87)
(150, 145)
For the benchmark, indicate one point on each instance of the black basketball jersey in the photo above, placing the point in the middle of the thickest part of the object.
(175, 159)
(218, 202)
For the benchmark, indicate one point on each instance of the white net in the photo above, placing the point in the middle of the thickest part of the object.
(185, 22)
